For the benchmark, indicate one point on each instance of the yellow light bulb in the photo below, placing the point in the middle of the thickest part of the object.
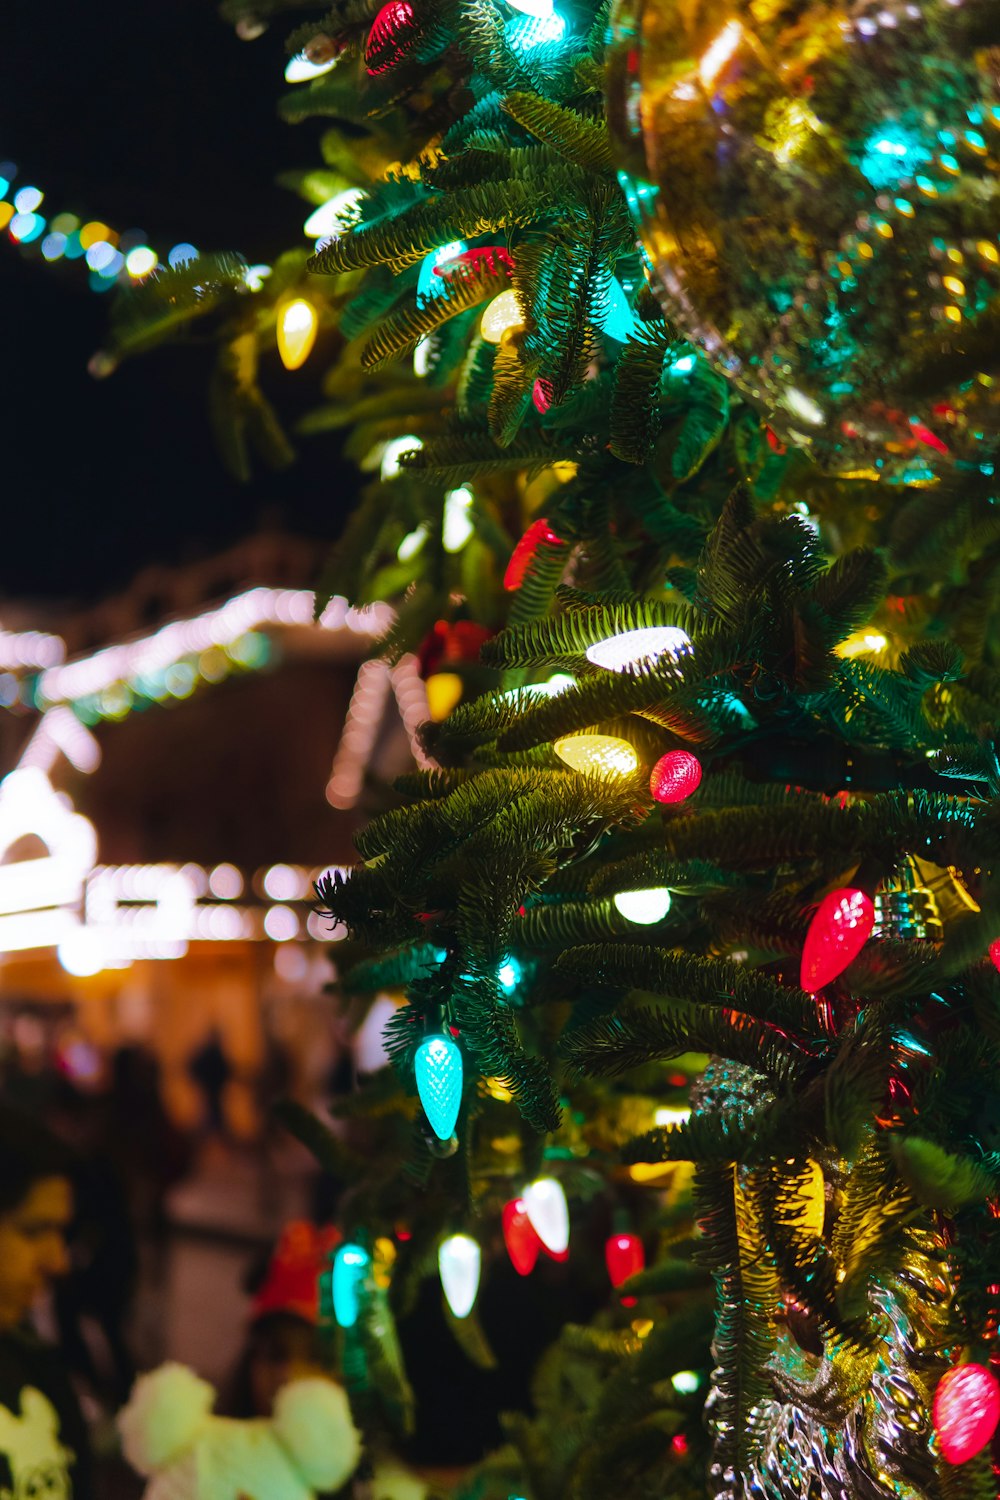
(297, 325)
(597, 754)
(501, 316)
(444, 692)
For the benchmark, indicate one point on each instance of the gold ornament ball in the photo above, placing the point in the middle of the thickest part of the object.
(816, 188)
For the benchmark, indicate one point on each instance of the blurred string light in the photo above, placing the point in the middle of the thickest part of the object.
(176, 659)
(111, 257)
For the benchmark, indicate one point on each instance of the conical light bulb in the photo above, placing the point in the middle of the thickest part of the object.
(438, 1066)
(350, 1267)
(459, 1260)
(547, 1209)
(502, 316)
(597, 754)
(297, 325)
(635, 647)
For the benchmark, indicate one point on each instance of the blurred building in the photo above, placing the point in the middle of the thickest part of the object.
(179, 765)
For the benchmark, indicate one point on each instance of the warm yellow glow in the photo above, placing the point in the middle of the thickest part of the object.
(988, 251)
(652, 1171)
(383, 1256)
(813, 1201)
(642, 1327)
(667, 1115)
(597, 754)
(718, 53)
(794, 131)
(953, 285)
(502, 316)
(862, 643)
(92, 232)
(297, 325)
(565, 469)
(498, 1090)
(444, 692)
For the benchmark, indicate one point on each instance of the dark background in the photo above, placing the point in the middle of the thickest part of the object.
(147, 114)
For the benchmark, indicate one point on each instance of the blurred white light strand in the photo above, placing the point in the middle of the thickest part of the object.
(30, 648)
(59, 732)
(357, 739)
(411, 695)
(216, 627)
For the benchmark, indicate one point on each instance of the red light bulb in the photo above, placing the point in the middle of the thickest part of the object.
(966, 1411)
(837, 933)
(392, 19)
(538, 534)
(625, 1257)
(523, 1244)
(995, 952)
(675, 776)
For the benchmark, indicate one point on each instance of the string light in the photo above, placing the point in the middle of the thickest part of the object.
(111, 257)
(298, 322)
(634, 647)
(301, 69)
(644, 907)
(438, 1068)
(457, 527)
(966, 1411)
(429, 284)
(501, 317)
(393, 451)
(547, 1209)
(675, 776)
(350, 1268)
(523, 1244)
(837, 933)
(624, 1256)
(336, 215)
(459, 1261)
(597, 754)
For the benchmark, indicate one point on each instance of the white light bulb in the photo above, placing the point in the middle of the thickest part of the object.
(459, 1260)
(336, 215)
(299, 69)
(393, 452)
(644, 907)
(548, 1213)
(412, 543)
(633, 647)
(458, 526)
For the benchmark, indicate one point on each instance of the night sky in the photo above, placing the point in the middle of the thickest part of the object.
(155, 116)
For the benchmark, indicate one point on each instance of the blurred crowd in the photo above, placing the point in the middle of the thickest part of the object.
(154, 1239)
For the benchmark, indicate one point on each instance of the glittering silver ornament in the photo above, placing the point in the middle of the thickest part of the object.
(816, 187)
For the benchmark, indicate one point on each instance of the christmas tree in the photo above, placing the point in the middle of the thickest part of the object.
(691, 909)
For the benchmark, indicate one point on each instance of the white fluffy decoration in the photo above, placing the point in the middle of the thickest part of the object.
(165, 1413)
(170, 1435)
(312, 1421)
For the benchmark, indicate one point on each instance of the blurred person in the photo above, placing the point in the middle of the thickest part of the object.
(211, 1070)
(43, 1439)
(104, 1258)
(284, 1343)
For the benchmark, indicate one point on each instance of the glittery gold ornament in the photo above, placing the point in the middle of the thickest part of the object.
(817, 191)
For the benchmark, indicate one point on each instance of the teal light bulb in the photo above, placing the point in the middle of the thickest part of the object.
(619, 320)
(350, 1267)
(438, 1066)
